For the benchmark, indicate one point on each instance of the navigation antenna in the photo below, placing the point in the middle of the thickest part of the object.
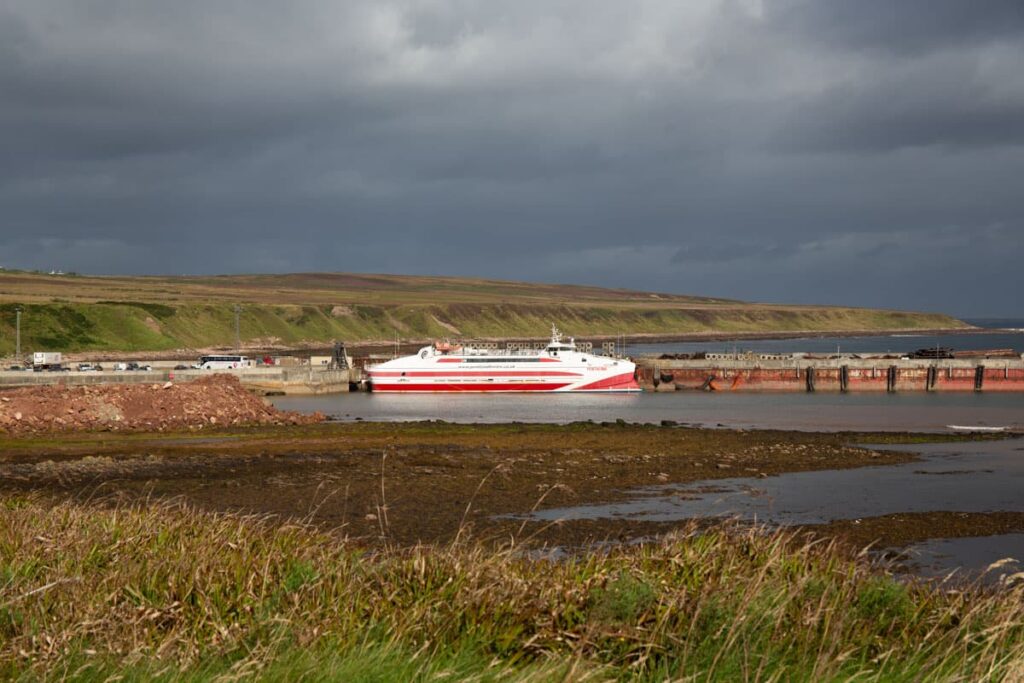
(556, 336)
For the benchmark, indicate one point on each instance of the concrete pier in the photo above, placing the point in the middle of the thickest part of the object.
(841, 374)
(263, 380)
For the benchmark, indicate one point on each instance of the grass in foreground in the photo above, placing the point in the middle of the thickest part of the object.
(165, 592)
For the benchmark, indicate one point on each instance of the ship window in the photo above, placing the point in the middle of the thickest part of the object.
(403, 374)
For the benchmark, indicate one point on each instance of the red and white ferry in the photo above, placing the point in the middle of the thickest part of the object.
(557, 367)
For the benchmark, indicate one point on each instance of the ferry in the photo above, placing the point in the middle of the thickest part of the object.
(559, 367)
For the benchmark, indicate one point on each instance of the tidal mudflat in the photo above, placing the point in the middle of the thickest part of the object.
(414, 483)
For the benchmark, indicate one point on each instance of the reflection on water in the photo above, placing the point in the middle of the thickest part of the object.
(969, 556)
(966, 477)
(916, 411)
(962, 477)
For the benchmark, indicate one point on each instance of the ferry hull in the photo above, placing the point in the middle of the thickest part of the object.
(619, 383)
(624, 382)
(559, 368)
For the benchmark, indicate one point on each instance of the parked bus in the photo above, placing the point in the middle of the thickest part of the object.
(222, 363)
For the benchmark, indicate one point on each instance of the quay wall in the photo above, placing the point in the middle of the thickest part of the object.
(266, 380)
(832, 375)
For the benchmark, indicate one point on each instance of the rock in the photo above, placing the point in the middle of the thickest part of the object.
(723, 466)
(17, 416)
(215, 400)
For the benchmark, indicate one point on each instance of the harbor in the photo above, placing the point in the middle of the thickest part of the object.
(267, 381)
(841, 373)
(994, 371)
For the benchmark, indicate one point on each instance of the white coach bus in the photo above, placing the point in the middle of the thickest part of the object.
(222, 363)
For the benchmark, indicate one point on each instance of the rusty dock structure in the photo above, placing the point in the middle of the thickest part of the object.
(840, 373)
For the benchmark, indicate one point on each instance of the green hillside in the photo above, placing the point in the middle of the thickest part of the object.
(135, 314)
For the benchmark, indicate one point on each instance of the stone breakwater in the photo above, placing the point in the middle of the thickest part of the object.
(216, 400)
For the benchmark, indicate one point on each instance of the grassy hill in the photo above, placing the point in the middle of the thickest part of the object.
(74, 313)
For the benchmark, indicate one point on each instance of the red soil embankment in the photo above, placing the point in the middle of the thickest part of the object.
(215, 400)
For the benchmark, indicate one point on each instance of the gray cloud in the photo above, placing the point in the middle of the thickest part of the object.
(910, 26)
(835, 152)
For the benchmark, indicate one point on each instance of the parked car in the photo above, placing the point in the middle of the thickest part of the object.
(16, 368)
(86, 367)
(181, 367)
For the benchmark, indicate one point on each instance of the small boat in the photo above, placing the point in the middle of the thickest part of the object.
(976, 428)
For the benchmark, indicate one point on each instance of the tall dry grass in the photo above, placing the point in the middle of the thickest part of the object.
(90, 592)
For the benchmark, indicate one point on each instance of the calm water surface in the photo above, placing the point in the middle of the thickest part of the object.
(904, 343)
(981, 476)
(971, 556)
(831, 412)
(917, 411)
(963, 477)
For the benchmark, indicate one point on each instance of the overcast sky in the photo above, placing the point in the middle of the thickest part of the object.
(864, 152)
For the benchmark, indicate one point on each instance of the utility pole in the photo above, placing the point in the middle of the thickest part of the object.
(17, 333)
(238, 336)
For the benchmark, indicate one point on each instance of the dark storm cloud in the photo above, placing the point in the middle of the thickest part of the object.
(907, 26)
(840, 152)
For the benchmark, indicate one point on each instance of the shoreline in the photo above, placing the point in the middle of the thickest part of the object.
(321, 348)
(658, 338)
(477, 477)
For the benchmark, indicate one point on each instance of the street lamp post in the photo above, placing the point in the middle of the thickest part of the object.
(238, 336)
(17, 333)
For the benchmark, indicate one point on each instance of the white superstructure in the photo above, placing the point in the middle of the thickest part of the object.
(560, 366)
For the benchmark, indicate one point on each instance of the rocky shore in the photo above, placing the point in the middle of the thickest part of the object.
(217, 400)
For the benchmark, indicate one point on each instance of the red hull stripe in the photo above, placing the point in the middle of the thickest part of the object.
(623, 381)
(474, 373)
(472, 386)
(461, 360)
